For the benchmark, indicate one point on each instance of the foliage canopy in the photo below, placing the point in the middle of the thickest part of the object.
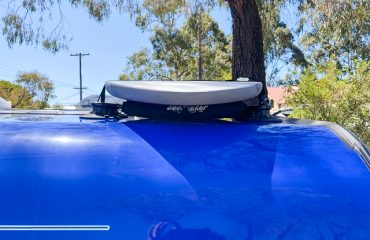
(38, 85)
(176, 51)
(31, 90)
(18, 95)
(330, 94)
(336, 30)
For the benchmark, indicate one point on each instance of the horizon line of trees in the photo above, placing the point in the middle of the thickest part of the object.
(30, 90)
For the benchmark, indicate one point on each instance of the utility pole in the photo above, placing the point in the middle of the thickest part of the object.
(80, 55)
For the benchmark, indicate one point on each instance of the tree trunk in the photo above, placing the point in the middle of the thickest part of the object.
(248, 57)
(200, 42)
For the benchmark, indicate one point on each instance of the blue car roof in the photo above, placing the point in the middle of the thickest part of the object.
(66, 178)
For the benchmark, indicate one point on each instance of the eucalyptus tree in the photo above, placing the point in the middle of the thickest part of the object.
(338, 31)
(23, 23)
(16, 94)
(279, 47)
(176, 51)
(30, 90)
(39, 86)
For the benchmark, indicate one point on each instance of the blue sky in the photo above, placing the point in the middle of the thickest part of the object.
(109, 44)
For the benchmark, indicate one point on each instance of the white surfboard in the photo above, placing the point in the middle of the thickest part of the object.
(184, 92)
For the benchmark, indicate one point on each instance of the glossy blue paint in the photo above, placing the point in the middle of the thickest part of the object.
(177, 180)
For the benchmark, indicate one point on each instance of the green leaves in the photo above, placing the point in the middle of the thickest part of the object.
(332, 94)
(24, 21)
(38, 86)
(338, 31)
(335, 38)
(19, 96)
(31, 91)
(98, 9)
(141, 66)
(16, 30)
(176, 51)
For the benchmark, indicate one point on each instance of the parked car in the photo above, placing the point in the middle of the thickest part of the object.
(66, 178)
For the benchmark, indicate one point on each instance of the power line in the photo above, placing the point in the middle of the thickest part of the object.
(98, 65)
(67, 97)
(9, 67)
(8, 75)
(8, 70)
(80, 55)
(62, 84)
(95, 70)
(92, 91)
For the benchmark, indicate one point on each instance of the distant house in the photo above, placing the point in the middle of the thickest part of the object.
(5, 104)
(278, 95)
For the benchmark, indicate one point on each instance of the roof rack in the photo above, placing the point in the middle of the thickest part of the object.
(256, 108)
